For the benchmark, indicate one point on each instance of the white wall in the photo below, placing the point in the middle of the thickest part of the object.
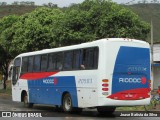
(156, 81)
(156, 52)
(156, 66)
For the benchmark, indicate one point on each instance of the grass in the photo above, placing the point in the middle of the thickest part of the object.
(7, 91)
(133, 108)
(8, 88)
(150, 107)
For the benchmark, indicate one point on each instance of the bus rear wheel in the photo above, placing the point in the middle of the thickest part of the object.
(67, 103)
(26, 103)
(106, 110)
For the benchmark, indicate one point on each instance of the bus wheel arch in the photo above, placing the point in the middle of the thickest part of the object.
(24, 99)
(23, 93)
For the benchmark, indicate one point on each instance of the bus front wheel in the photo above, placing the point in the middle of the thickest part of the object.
(106, 110)
(26, 103)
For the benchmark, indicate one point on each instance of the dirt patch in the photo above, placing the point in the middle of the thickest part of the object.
(5, 96)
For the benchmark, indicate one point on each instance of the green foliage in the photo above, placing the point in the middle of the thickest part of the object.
(72, 28)
(98, 19)
(6, 33)
(6, 36)
(33, 31)
(108, 19)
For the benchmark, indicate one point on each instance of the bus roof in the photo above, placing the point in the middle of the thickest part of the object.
(82, 45)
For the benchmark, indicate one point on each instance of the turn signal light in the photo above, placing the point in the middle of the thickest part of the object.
(105, 80)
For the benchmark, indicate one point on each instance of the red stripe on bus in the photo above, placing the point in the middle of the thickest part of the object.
(35, 76)
(134, 94)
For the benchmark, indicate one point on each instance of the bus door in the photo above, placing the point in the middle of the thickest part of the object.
(16, 71)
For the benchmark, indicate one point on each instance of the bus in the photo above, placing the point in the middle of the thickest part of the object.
(103, 74)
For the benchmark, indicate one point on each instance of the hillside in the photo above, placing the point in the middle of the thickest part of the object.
(146, 11)
(15, 9)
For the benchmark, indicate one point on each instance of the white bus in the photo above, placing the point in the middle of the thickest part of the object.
(102, 74)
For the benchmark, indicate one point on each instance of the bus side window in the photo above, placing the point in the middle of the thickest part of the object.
(36, 65)
(59, 61)
(96, 55)
(86, 59)
(83, 64)
(30, 64)
(90, 58)
(16, 70)
(76, 59)
(68, 56)
(24, 68)
(44, 61)
(51, 62)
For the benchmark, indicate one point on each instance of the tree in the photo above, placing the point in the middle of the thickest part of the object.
(91, 20)
(144, 1)
(51, 5)
(3, 3)
(5, 44)
(33, 31)
(98, 19)
(15, 3)
(4, 60)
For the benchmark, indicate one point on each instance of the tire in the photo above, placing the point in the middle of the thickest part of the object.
(26, 103)
(107, 110)
(67, 103)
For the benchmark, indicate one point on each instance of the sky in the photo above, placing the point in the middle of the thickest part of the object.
(62, 3)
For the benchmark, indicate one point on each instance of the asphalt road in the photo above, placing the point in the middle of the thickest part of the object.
(6, 104)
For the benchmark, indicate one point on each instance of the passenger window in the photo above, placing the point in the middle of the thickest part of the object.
(24, 64)
(68, 56)
(16, 70)
(59, 61)
(76, 59)
(44, 61)
(96, 55)
(51, 62)
(90, 58)
(30, 64)
(36, 66)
